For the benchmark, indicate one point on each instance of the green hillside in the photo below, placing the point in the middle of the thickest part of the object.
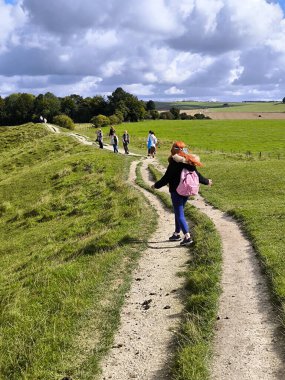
(68, 221)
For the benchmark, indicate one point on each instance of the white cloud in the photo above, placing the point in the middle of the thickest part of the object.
(195, 48)
(174, 91)
(12, 18)
(139, 89)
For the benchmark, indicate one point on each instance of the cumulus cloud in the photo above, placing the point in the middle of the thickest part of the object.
(174, 91)
(12, 18)
(195, 49)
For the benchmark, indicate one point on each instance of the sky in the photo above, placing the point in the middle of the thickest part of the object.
(206, 50)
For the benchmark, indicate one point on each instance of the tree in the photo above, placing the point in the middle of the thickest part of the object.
(47, 105)
(128, 104)
(175, 112)
(283, 101)
(98, 105)
(19, 108)
(68, 106)
(64, 121)
(2, 111)
(150, 105)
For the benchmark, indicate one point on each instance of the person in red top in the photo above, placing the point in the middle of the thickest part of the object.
(179, 159)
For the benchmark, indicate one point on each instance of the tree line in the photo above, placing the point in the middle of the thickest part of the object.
(20, 108)
(120, 106)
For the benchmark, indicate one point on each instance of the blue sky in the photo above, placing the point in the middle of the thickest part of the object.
(155, 49)
(282, 3)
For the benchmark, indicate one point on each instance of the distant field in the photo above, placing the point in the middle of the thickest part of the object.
(230, 136)
(224, 106)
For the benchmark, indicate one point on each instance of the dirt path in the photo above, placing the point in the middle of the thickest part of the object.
(247, 344)
(142, 346)
(85, 140)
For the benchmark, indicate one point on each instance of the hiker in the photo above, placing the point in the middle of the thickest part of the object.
(115, 142)
(126, 141)
(179, 159)
(99, 138)
(111, 134)
(148, 142)
(153, 142)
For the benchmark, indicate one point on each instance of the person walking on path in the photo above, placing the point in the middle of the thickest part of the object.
(148, 142)
(100, 138)
(115, 142)
(126, 141)
(153, 143)
(111, 134)
(178, 160)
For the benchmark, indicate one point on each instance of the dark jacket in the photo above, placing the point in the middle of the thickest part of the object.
(173, 173)
(126, 138)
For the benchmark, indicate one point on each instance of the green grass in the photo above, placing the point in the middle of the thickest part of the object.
(219, 106)
(67, 226)
(202, 289)
(253, 191)
(265, 137)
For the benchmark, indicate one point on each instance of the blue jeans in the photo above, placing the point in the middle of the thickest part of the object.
(178, 203)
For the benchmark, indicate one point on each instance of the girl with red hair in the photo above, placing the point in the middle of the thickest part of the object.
(178, 160)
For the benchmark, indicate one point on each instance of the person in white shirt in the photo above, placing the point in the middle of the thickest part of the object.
(153, 143)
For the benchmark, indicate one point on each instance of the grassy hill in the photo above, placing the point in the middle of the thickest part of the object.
(68, 221)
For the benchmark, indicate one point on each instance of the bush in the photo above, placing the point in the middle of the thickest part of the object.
(114, 120)
(166, 115)
(199, 116)
(153, 114)
(100, 121)
(184, 116)
(64, 122)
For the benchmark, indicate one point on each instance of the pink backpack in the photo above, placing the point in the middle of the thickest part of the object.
(189, 183)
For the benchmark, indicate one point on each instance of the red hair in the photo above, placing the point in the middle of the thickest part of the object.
(192, 159)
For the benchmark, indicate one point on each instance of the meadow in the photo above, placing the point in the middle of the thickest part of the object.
(263, 138)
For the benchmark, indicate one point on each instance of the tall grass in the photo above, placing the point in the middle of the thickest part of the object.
(67, 226)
